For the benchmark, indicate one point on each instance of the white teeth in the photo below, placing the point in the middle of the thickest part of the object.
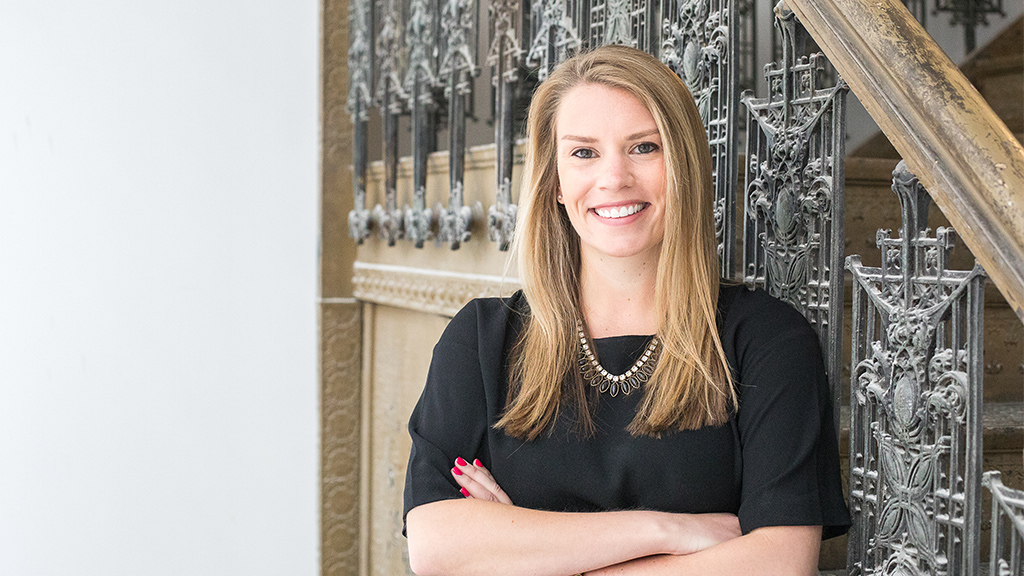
(619, 212)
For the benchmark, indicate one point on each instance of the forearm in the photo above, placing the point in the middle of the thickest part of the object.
(772, 551)
(470, 537)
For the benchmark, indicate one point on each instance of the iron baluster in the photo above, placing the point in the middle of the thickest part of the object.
(793, 238)
(360, 67)
(420, 81)
(458, 23)
(916, 394)
(918, 9)
(504, 58)
(1006, 550)
(390, 96)
(554, 36)
(970, 14)
(698, 45)
(745, 33)
(627, 22)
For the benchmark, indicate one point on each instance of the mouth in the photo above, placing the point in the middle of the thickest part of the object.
(620, 211)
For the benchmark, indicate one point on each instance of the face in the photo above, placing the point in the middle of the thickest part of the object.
(611, 173)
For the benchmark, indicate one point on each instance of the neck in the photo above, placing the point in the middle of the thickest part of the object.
(618, 295)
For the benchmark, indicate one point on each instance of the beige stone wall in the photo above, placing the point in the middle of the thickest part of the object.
(340, 316)
(401, 340)
(408, 296)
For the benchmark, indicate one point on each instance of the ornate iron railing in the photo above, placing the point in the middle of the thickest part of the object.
(1006, 553)
(915, 430)
(916, 381)
(793, 236)
(698, 43)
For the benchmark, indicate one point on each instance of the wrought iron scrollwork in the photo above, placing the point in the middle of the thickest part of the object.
(698, 45)
(628, 22)
(458, 67)
(390, 96)
(554, 33)
(420, 83)
(360, 69)
(915, 429)
(970, 14)
(505, 59)
(793, 238)
(1006, 554)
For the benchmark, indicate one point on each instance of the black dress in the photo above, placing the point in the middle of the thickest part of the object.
(774, 463)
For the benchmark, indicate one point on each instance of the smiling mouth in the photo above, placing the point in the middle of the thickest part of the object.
(620, 211)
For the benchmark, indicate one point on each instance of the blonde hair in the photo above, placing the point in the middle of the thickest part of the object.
(691, 386)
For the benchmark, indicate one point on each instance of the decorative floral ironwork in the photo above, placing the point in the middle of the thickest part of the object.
(970, 14)
(360, 69)
(555, 36)
(505, 58)
(698, 45)
(389, 97)
(915, 429)
(627, 22)
(420, 82)
(793, 239)
(458, 22)
(1005, 555)
(455, 219)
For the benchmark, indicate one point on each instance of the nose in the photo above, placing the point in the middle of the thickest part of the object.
(614, 172)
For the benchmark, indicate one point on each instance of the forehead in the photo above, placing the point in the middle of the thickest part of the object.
(599, 110)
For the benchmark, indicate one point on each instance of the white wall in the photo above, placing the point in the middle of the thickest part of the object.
(158, 284)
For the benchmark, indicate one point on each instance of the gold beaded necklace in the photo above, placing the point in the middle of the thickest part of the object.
(630, 380)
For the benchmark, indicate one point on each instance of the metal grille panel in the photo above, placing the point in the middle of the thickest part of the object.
(1006, 553)
(793, 237)
(916, 382)
(698, 44)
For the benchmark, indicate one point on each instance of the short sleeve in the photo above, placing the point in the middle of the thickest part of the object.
(790, 472)
(451, 418)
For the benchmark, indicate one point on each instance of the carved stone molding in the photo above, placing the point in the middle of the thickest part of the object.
(423, 290)
(340, 377)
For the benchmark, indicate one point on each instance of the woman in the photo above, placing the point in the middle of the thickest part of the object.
(624, 413)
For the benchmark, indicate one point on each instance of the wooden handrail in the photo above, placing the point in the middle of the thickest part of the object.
(970, 162)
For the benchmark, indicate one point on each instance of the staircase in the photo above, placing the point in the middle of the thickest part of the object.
(997, 70)
(885, 59)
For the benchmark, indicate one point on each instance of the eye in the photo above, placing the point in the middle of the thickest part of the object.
(583, 153)
(646, 148)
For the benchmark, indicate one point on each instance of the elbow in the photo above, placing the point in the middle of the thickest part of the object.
(421, 560)
(426, 556)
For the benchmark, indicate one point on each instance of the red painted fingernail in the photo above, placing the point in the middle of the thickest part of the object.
(456, 471)
(461, 462)
(477, 462)
(464, 492)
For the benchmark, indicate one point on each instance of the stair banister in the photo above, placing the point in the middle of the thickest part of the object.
(949, 136)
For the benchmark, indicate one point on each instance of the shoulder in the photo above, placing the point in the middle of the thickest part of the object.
(752, 322)
(745, 309)
(485, 320)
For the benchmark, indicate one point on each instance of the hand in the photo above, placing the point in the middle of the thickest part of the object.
(477, 482)
(701, 531)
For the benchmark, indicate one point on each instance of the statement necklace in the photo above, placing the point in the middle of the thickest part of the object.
(600, 378)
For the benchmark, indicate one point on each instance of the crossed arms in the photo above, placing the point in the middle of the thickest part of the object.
(485, 533)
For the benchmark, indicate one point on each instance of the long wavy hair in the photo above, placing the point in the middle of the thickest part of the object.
(691, 386)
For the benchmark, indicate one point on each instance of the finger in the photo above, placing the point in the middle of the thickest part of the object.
(481, 476)
(502, 497)
(484, 477)
(470, 488)
(480, 465)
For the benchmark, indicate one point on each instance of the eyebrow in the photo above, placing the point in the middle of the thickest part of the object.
(588, 140)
